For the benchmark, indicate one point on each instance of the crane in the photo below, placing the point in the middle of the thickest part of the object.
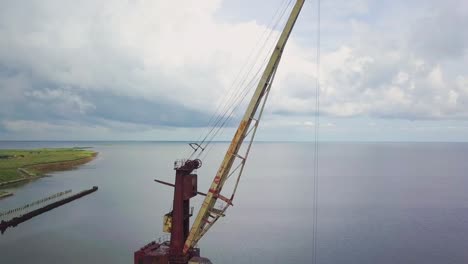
(208, 215)
(182, 245)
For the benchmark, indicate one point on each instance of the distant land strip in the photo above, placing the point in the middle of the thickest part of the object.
(21, 165)
(4, 194)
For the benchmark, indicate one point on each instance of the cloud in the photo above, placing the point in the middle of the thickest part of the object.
(140, 50)
(159, 64)
(382, 75)
(438, 36)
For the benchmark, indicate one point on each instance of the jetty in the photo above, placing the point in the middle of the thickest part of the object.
(20, 219)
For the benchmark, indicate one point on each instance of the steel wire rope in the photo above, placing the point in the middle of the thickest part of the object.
(245, 94)
(270, 28)
(239, 92)
(246, 91)
(241, 165)
(217, 112)
(265, 98)
(272, 19)
(226, 107)
(264, 62)
(241, 95)
(221, 129)
(316, 144)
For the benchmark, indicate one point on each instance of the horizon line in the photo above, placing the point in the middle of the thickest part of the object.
(258, 141)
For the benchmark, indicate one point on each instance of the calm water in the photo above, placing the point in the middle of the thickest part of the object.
(379, 203)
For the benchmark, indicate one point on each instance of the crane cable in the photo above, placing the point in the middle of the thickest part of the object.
(245, 92)
(242, 164)
(237, 80)
(316, 145)
(253, 82)
(232, 105)
(241, 94)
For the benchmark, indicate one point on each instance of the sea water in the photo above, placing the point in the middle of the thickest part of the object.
(378, 203)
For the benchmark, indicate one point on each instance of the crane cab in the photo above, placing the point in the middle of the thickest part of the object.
(167, 224)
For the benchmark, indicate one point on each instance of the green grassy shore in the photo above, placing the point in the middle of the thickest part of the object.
(4, 194)
(18, 165)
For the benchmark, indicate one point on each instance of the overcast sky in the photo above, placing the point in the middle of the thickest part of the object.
(156, 70)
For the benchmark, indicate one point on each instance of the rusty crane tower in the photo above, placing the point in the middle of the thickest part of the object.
(181, 248)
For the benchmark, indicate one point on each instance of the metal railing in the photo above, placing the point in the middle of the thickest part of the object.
(164, 238)
(179, 163)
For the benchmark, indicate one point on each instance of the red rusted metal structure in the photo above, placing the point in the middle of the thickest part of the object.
(185, 187)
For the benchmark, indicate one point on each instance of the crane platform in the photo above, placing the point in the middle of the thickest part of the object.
(158, 253)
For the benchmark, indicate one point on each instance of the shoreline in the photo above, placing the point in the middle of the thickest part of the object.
(39, 170)
(43, 168)
(5, 194)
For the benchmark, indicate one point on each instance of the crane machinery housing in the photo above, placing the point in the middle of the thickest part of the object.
(181, 247)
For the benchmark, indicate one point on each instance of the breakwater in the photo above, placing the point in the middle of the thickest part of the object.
(18, 220)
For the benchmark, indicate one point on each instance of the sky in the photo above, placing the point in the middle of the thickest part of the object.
(159, 70)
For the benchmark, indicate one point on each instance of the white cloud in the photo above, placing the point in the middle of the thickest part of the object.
(377, 71)
(68, 102)
(59, 53)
